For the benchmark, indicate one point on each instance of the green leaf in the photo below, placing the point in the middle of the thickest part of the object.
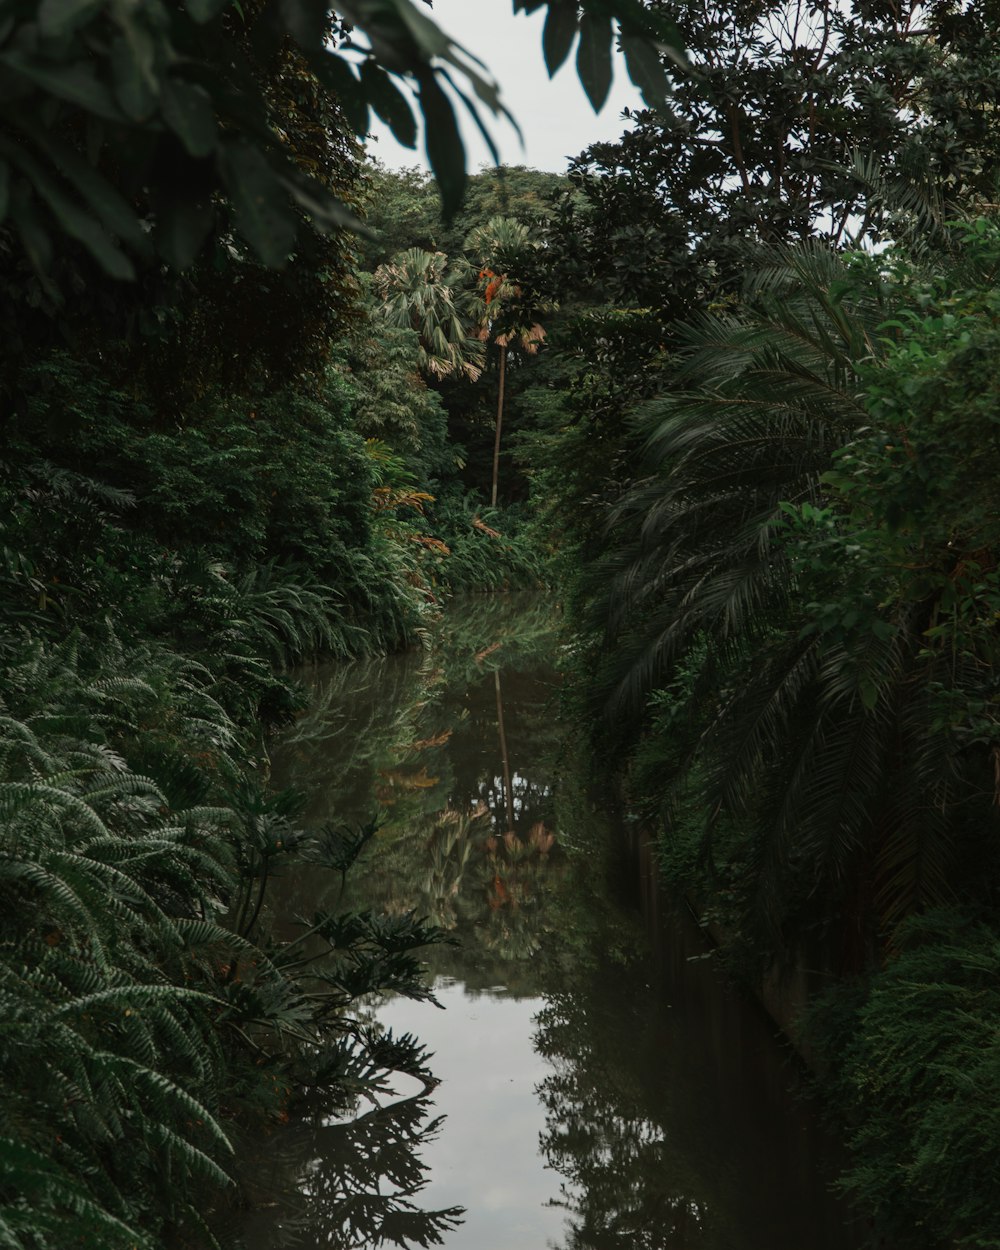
(389, 103)
(645, 69)
(445, 149)
(182, 225)
(593, 58)
(187, 110)
(34, 239)
(430, 38)
(63, 17)
(4, 189)
(204, 10)
(131, 67)
(77, 223)
(325, 211)
(305, 21)
(264, 215)
(434, 42)
(76, 83)
(337, 76)
(558, 34)
(111, 207)
(474, 114)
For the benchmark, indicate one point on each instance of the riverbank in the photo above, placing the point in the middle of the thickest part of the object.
(147, 1010)
(904, 1057)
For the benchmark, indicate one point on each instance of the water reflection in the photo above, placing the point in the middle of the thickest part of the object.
(350, 1184)
(596, 1093)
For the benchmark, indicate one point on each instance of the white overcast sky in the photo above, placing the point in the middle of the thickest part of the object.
(554, 114)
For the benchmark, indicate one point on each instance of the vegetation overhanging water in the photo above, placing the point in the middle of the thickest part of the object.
(732, 383)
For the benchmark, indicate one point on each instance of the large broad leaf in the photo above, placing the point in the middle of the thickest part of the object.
(182, 226)
(62, 17)
(34, 240)
(75, 82)
(593, 58)
(475, 115)
(642, 60)
(445, 149)
(435, 43)
(113, 210)
(264, 214)
(79, 225)
(389, 103)
(205, 10)
(326, 212)
(560, 30)
(430, 38)
(136, 87)
(337, 76)
(73, 219)
(306, 21)
(187, 110)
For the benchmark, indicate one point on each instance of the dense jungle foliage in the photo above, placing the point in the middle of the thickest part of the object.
(219, 455)
(731, 383)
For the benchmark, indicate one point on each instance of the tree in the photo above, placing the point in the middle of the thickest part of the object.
(773, 137)
(810, 591)
(125, 129)
(419, 292)
(508, 313)
(402, 208)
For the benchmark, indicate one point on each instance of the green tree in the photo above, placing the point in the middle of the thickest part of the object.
(776, 135)
(419, 291)
(402, 208)
(803, 573)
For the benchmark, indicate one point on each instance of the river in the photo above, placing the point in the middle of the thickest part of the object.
(601, 1087)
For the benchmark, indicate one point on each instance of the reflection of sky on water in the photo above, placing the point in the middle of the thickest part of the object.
(526, 793)
(486, 1156)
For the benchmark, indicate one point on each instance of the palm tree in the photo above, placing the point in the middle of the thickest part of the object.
(419, 291)
(508, 312)
(823, 748)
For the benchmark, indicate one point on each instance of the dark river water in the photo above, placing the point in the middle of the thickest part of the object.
(600, 1086)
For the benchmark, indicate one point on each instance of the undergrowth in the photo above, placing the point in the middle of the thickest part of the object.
(143, 1005)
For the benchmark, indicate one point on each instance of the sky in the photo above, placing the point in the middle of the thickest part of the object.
(554, 114)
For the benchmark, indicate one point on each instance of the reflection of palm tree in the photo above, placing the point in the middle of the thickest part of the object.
(398, 723)
(508, 793)
(515, 875)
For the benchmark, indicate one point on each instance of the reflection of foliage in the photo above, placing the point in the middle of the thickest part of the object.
(517, 880)
(355, 1180)
(624, 1185)
(420, 734)
(667, 1115)
(490, 892)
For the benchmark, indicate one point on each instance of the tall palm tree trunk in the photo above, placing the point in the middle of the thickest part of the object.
(496, 441)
